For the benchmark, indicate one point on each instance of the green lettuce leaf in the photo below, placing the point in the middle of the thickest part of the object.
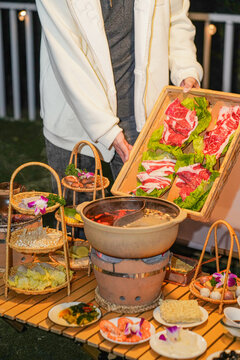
(156, 136)
(228, 144)
(200, 105)
(155, 193)
(184, 160)
(210, 161)
(197, 198)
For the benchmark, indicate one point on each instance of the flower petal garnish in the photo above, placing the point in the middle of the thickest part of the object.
(173, 333)
(162, 337)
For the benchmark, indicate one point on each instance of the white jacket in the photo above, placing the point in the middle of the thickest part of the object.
(78, 95)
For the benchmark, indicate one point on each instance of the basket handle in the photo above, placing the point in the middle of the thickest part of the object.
(233, 237)
(98, 165)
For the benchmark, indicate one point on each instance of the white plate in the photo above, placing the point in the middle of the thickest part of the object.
(134, 319)
(217, 353)
(55, 310)
(197, 346)
(157, 316)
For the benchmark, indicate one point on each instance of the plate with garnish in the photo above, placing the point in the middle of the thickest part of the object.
(74, 314)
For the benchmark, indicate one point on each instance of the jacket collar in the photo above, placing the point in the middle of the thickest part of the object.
(88, 15)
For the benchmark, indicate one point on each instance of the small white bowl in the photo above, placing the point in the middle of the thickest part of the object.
(231, 314)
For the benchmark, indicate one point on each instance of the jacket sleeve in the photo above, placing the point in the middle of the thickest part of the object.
(75, 75)
(182, 50)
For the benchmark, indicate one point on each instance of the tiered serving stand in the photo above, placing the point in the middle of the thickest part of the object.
(233, 237)
(99, 179)
(14, 201)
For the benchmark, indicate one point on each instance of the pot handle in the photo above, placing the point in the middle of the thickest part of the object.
(80, 207)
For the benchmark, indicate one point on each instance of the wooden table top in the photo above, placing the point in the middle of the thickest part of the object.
(33, 310)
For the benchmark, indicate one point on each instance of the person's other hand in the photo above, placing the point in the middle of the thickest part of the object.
(189, 83)
(122, 147)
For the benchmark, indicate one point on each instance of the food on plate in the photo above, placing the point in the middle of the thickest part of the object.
(78, 178)
(180, 266)
(80, 314)
(39, 277)
(227, 355)
(39, 237)
(72, 216)
(180, 311)
(215, 141)
(126, 330)
(212, 286)
(175, 341)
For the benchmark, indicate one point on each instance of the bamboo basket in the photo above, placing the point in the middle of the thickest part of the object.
(35, 250)
(58, 218)
(99, 178)
(233, 237)
(17, 198)
(13, 271)
(75, 264)
(12, 203)
(98, 185)
(127, 178)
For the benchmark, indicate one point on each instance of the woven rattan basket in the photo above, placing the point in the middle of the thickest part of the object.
(14, 201)
(75, 264)
(192, 285)
(98, 185)
(100, 182)
(13, 271)
(77, 224)
(36, 250)
(17, 198)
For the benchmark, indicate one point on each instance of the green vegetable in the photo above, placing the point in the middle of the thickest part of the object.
(70, 211)
(71, 170)
(228, 144)
(154, 193)
(197, 198)
(200, 105)
(53, 199)
(213, 282)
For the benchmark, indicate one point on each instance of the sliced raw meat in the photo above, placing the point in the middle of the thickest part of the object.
(190, 177)
(179, 123)
(216, 140)
(148, 187)
(162, 167)
(145, 178)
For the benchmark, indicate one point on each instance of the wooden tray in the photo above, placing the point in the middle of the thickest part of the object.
(35, 292)
(127, 180)
(17, 198)
(35, 250)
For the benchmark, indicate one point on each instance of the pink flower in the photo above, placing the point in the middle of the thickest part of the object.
(220, 278)
(39, 205)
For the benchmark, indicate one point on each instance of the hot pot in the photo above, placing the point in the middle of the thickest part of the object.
(130, 242)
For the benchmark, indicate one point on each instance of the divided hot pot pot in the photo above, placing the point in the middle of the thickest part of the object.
(131, 227)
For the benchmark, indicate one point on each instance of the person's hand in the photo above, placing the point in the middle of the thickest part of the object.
(122, 147)
(189, 83)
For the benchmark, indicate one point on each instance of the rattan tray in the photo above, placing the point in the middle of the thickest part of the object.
(35, 250)
(75, 264)
(17, 198)
(196, 292)
(35, 292)
(58, 218)
(105, 180)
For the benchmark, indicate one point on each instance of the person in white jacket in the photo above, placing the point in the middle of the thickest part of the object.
(103, 66)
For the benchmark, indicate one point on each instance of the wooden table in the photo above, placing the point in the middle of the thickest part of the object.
(33, 310)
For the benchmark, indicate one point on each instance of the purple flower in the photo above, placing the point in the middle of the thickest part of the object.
(173, 333)
(135, 329)
(162, 337)
(220, 279)
(39, 205)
